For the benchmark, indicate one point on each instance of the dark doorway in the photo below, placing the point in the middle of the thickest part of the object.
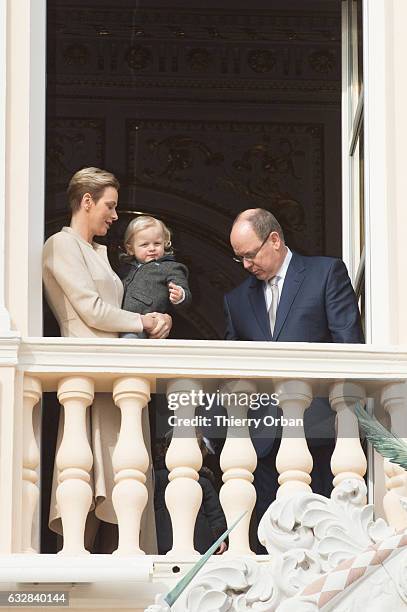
(202, 109)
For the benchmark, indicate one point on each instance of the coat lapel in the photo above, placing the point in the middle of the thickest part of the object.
(256, 297)
(292, 283)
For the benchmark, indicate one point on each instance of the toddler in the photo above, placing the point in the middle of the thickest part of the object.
(153, 281)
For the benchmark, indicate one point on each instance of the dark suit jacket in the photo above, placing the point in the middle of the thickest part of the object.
(146, 285)
(317, 304)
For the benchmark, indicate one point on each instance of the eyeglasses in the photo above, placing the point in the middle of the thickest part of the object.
(252, 256)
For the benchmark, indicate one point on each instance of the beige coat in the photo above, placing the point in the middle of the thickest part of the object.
(85, 296)
(82, 290)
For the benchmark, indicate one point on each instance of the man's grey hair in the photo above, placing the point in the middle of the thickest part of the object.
(262, 221)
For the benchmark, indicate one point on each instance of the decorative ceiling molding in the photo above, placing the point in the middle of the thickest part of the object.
(268, 51)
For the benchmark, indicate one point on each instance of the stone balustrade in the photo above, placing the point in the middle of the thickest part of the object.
(184, 459)
(183, 494)
(130, 462)
(31, 459)
(348, 459)
(83, 372)
(294, 461)
(238, 462)
(74, 461)
(394, 398)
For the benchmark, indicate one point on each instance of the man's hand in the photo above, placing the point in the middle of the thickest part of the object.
(176, 292)
(156, 325)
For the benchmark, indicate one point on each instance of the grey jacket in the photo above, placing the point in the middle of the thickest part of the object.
(146, 285)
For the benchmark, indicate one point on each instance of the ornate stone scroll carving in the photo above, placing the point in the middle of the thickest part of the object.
(308, 536)
(335, 528)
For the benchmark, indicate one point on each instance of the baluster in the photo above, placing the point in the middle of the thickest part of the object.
(130, 463)
(183, 495)
(31, 459)
(238, 461)
(293, 461)
(74, 461)
(394, 402)
(348, 459)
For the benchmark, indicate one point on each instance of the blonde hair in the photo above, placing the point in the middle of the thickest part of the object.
(143, 222)
(89, 180)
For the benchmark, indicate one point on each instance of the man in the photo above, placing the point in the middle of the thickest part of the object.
(287, 298)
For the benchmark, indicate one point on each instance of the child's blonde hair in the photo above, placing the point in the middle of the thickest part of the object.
(143, 222)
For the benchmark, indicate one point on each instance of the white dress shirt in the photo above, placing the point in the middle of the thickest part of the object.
(280, 277)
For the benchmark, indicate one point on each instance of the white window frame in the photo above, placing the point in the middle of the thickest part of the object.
(4, 315)
(376, 202)
(352, 126)
(377, 248)
(374, 261)
(22, 160)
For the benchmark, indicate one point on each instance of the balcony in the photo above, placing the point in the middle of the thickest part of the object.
(130, 371)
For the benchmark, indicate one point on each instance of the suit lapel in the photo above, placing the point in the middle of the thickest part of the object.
(292, 283)
(256, 297)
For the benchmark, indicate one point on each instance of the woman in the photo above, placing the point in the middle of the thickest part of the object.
(85, 296)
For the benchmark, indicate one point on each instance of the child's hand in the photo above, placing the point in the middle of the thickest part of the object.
(176, 293)
(222, 548)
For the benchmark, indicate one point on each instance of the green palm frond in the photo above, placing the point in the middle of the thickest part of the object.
(180, 587)
(382, 440)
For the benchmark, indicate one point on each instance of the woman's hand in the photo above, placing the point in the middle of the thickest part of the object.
(156, 325)
(176, 293)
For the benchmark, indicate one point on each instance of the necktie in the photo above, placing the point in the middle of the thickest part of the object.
(274, 302)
